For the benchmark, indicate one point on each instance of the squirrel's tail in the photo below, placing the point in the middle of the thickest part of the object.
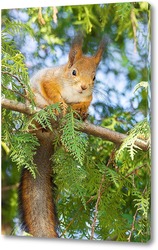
(36, 195)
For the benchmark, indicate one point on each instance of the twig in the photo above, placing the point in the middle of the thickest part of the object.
(7, 73)
(135, 170)
(16, 92)
(96, 208)
(133, 225)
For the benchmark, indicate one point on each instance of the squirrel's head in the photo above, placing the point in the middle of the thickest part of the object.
(81, 69)
(76, 53)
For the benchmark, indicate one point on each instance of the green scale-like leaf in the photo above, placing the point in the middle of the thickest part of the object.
(23, 149)
(73, 140)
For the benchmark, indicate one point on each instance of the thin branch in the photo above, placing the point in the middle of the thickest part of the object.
(133, 225)
(88, 128)
(15, 92)
(135, 170)
(23, 86)
(96, 207)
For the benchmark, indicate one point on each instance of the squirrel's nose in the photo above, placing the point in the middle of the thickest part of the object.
(83, 87)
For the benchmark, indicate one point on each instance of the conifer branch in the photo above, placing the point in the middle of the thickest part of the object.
(88, 128)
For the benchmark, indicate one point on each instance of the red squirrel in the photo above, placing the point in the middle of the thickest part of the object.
(69, 84)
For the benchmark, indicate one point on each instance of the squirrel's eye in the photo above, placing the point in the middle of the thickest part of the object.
(93, 78)
(74, 72)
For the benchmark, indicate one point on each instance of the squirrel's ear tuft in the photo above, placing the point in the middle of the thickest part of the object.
(76, 49)
(100, 50)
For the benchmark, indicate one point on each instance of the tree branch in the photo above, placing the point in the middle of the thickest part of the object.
(17, 106)
(88, 128)
(103, 133)
(110, 135)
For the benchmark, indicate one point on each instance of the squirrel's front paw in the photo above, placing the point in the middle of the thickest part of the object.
(84, 116)
(81, 110)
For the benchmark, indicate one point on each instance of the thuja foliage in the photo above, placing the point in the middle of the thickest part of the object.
(111, 178)
(103, 190)
(72, 139)
(14, 70)
(15, 83)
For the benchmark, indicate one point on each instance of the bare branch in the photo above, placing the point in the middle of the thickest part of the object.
(103, 133)
(16, 106)
(109, 135)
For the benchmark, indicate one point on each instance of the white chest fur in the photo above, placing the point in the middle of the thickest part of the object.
(72, 95)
